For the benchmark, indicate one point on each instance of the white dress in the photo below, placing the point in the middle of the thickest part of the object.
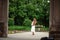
(32, 28)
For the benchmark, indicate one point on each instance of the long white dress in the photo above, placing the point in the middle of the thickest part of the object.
(32, 28)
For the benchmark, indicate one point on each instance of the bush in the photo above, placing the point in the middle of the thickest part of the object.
(21, 28)
(11, 22)
(18, 20)
(16, 28)
(27, 22)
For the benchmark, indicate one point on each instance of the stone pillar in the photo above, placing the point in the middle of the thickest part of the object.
(55, 19)
(3, 18)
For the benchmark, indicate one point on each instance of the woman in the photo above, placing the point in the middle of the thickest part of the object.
(33, 26)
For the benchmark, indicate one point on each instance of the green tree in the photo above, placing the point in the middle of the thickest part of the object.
(22, 9)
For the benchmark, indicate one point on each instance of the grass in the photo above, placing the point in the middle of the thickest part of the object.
(16, 29)
(25, 28)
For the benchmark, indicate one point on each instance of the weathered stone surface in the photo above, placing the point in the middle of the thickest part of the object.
(55, 19)
(3, 17)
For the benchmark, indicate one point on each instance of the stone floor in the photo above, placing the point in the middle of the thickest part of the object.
(26, 36)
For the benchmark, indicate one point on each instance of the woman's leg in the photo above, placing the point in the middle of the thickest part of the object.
(33, 33)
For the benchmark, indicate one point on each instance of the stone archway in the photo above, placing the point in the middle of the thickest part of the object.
(54, 18)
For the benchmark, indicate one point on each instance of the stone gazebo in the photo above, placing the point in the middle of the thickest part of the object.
(54, 22)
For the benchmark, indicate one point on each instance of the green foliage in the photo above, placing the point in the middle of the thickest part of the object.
(44, 29)
(11, 22)
(25, 28)
(29, 9)
(16, 28)
(21, 28)
(27, 22)
(18, 20)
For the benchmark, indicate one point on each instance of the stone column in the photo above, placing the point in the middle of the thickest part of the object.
(4, 17)
(55, 19)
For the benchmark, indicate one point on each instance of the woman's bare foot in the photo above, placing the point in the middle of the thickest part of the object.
(33, 33)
